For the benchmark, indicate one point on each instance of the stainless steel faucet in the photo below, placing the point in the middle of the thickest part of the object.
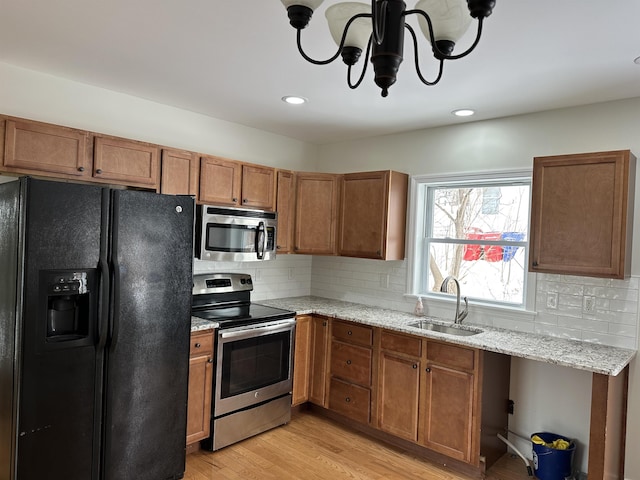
(460, 316)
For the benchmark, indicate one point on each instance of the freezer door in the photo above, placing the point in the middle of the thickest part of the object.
(57, 364)
(148, 352)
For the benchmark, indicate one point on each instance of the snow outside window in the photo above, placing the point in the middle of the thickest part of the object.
(474, 227)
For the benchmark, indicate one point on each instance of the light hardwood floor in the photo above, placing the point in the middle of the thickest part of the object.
(311, 447)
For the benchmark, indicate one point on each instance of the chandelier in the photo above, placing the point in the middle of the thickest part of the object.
(379, 28)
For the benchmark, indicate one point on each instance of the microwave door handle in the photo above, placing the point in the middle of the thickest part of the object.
(260, 243)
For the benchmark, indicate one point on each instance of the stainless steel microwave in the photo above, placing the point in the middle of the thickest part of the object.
(235, 234)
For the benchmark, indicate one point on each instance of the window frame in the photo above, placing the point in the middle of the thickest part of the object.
(418, 221)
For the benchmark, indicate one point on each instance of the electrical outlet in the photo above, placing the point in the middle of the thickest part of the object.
(511, 407)
(588, 304)
(258, 275)
(384, 280)
(292, 273)
(552, 300)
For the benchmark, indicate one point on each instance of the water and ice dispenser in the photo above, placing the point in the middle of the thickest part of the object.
(70, 304)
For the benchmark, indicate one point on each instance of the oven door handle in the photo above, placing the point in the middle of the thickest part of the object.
(258, 331)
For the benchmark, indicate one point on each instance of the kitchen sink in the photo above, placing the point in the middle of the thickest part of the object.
(450, 330)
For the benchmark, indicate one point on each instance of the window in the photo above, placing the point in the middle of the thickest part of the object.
(475, 228)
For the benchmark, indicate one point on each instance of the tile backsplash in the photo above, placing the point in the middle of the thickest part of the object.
(582, 308)
(590, 309)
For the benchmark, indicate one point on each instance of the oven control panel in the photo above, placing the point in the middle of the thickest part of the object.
(221, 283)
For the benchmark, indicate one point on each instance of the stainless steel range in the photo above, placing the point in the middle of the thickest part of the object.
(254, 358)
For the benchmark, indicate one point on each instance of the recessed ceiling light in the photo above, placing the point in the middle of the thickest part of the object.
(293, 100)
(463, 112)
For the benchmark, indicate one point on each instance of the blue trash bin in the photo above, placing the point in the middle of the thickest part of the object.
(551, 463)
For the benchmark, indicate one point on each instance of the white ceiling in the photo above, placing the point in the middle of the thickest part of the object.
(234, 60)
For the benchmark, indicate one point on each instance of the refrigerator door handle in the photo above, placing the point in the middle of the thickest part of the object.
(103, 303)
(114, 322)
(103, 264)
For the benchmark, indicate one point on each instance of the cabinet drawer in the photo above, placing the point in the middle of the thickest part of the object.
(351, 363)
(401, 343)
(350, 400)
(352, 333)
(451, 355)
(201, 344)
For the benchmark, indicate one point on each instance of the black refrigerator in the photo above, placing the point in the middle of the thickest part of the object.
(95, 311)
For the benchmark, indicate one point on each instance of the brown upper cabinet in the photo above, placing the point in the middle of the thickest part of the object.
(179, 172)
(285, 205)
(234, 184)
(125, 161)
(317, 198)
(258, 187)
(581, 214)
(43, 149)
(373, 215)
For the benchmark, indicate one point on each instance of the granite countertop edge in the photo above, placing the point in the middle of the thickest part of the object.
(580, 355)
(200, 324)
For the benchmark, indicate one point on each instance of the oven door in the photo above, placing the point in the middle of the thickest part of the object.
(254, 364)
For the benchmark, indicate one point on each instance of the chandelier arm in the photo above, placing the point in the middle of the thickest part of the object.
(377, 21)
(342, 40)
(417, 62)
(364, 69)
(437, 52)
(473, 45)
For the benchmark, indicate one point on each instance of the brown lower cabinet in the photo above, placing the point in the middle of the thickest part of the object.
(431, 393)
(200, 386)
(301, 360)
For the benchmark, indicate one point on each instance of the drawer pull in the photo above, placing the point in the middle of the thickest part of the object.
(198, 345)
(348, 362)
(349, 332)
(347, 400)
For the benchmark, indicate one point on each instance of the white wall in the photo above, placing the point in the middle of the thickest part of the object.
(28, 94)
(511, 143)
(498, 144)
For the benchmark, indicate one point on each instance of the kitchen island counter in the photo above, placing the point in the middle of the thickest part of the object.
(587, 356)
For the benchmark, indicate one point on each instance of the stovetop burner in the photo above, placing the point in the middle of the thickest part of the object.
(226, 298)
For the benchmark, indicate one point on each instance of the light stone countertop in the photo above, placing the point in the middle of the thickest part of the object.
(200, 324)
(569, 353)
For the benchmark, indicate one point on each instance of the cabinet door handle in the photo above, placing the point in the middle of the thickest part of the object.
(99, 171)
(234, 199)
(535, 264)
(347, 400)
(81, 169)
(428, 369)
(210, 360)
(244, 200)
(348, 362)
(198, 345)
(324, 324)
(349, 332)
(415, 366)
